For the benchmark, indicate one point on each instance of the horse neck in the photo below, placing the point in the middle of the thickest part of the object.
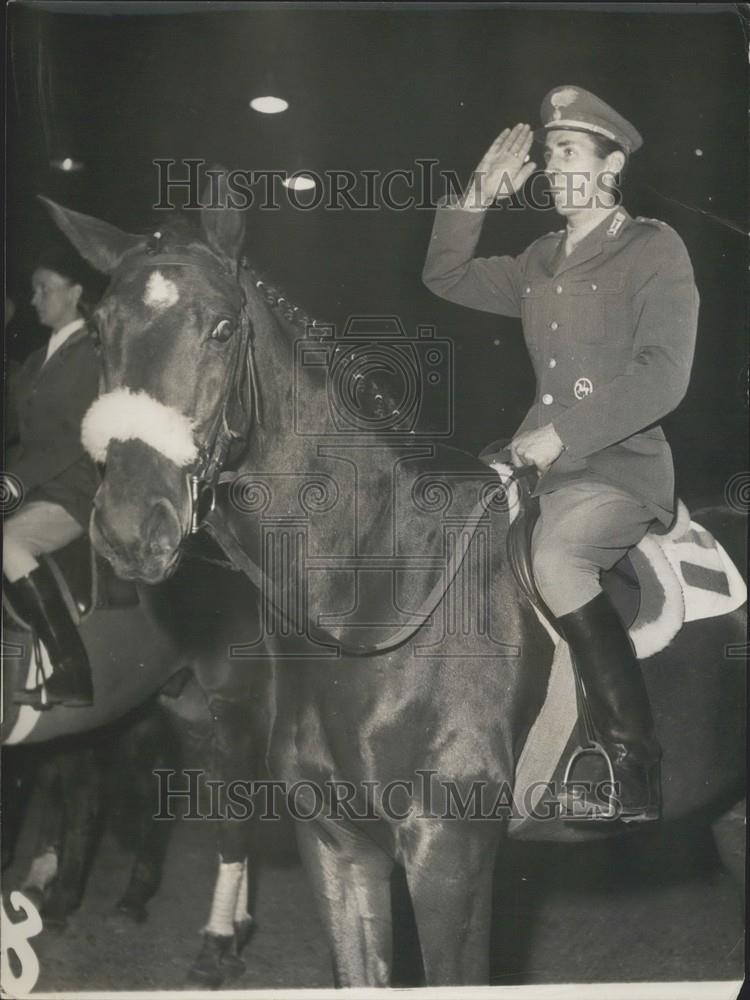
(273, 351)
(294, 397)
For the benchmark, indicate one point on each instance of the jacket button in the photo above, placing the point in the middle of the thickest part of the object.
(558, 289)
(554, 325)
(552, 362)
(528, 290)
(594, 286)
(547, 399)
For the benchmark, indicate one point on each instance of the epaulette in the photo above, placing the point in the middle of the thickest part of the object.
(546, 236)
(654, 222)
(664, 227)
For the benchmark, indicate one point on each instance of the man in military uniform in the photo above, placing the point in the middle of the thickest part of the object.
(609, 310)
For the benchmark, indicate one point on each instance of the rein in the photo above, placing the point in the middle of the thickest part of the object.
(218, 527)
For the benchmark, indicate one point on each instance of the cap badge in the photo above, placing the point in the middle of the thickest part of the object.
(616, 224)
(583, 387)
(562, 99)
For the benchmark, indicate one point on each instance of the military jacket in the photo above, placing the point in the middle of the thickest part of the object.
(610, 330)
(48, 401)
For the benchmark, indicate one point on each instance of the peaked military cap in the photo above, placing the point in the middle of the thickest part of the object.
(572, 107)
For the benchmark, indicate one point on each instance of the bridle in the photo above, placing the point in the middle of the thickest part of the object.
(208, 472)
(242, 394)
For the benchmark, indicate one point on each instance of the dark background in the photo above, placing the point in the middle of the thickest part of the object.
(376, 88)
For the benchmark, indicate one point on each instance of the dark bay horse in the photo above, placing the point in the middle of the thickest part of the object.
(387, 698)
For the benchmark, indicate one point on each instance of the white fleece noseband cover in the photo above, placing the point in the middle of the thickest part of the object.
(122, 415)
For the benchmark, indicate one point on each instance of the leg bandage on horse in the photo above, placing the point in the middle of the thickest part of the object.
(226, 898)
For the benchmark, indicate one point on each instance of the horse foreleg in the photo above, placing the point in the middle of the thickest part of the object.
(146, 747)
(81, 792)
(43, 869)
(229, 922)
(351, 881)
(15, 791)
(449, 873)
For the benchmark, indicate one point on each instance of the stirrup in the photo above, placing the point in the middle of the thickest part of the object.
(611, 812)
(41, 697)
(36, 696)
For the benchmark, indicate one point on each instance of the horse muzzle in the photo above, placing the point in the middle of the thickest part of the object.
(149, 552)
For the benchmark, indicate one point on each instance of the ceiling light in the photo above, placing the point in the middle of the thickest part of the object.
(299, 182)
(269, 105)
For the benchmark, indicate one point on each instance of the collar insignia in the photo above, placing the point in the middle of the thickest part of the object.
(616, 224)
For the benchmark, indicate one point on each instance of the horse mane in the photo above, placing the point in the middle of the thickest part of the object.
(180, 229)
(283, 307)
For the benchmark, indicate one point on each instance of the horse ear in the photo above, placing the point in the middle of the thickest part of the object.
(101, 244)
(224, 226)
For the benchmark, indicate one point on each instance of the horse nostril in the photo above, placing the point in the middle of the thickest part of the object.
(162, 529)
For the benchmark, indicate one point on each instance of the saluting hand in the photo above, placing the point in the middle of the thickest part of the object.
(503, 169)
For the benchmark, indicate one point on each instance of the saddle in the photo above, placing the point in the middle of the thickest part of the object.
(674, 575)
(86, 580)
(620, 583)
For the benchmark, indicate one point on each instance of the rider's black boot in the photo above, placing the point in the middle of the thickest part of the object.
(620, 710)
(38, 600)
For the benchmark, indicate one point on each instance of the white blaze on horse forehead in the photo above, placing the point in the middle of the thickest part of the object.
(160, 292)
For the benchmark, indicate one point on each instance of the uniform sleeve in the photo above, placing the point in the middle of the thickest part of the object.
(64, 448)
(665, 311)
(491, 284)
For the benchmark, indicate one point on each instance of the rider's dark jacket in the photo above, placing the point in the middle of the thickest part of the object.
(47, 402)
(610, 330)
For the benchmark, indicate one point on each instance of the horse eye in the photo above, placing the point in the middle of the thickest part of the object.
(223, 331)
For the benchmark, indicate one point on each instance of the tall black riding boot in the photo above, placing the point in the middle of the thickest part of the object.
(619, 707)
(39, 601)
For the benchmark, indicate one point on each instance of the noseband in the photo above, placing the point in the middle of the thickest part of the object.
(203, 475)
